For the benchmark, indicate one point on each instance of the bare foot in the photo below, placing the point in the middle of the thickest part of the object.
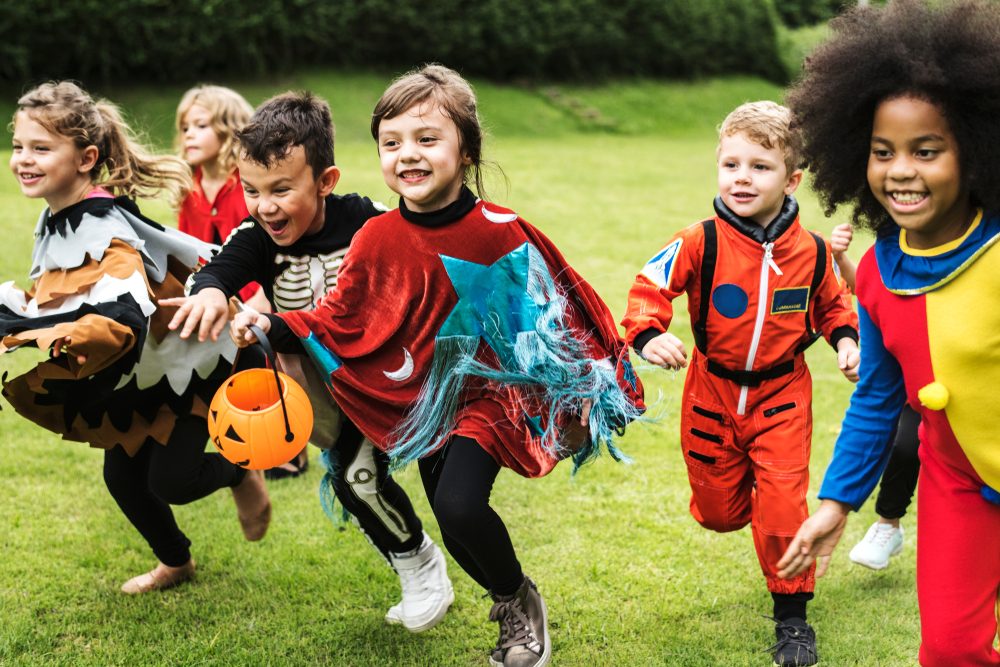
(159, 578)
(253, 506)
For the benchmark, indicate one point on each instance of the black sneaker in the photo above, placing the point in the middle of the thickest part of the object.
(796, 645)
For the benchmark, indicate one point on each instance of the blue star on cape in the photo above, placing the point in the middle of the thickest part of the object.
(494, 302)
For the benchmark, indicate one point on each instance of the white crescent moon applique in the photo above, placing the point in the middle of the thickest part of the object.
(498, 218)
(404, 371)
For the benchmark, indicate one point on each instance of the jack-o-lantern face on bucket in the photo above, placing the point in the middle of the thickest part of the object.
(248, 425)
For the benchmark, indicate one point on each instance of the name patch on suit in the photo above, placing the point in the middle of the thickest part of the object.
(790, 300)
(661, 267)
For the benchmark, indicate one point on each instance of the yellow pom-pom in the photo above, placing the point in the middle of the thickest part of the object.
(933, 396)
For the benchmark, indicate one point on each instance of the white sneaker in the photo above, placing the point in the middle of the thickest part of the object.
(427, 591)
(882, 541)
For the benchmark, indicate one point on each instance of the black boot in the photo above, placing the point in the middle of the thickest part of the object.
(796, 645)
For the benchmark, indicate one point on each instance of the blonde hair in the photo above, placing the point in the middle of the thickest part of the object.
(768, 124)
(124, 166)
(447, 88)
(230, 112)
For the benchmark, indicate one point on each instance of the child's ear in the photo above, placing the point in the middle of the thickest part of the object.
(328, 180)
(88, 158)
(794, 180)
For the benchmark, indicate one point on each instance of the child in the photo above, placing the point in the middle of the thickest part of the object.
(458, 336)
(293, 244)
(206, 122)
(757, 285)
(884, 538)
(97, 269)
(898, 112)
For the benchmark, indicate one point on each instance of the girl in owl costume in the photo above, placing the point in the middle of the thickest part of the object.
(116, 378)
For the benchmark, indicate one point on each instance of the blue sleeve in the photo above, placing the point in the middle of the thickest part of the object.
(866, 434)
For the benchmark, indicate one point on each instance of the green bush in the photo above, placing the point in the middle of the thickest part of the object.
(187, 40)
(798, 13)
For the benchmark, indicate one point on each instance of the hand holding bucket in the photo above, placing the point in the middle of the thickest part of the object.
(260, 418)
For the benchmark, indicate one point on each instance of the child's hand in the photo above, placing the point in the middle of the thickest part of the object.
(239, 330)
(208, 310)
(848, 358)
(61, 347)
(665, 350)
(840, 238)
(815, 540)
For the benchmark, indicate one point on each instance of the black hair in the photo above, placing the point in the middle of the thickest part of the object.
(945, 53)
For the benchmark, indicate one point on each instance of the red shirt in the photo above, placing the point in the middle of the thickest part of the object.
(213, 221)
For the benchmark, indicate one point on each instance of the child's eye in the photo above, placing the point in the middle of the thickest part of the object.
(881, 153)
(390, 143)
(926, 153)
(761, 167)
(729, 165)
(427, 140)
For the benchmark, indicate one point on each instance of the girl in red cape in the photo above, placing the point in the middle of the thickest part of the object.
(458, 337)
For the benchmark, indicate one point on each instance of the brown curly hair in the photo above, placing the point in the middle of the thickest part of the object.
(945, 53)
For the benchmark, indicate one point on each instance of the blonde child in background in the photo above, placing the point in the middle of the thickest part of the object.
(98, 267)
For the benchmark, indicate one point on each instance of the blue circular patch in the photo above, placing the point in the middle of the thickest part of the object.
(730, 300)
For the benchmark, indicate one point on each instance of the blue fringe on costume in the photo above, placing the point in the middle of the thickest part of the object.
(327, 495)
(517, 309)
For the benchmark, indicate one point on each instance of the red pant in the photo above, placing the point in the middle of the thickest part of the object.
(958, 567)
(751, 468)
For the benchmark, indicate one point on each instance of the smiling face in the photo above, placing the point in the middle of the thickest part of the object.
(285, 198)
(914, 172)
(50, 165)
(200, 140)
(422, 157)
(754, 180)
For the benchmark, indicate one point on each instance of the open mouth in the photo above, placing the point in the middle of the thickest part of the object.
(29, 179)
(743, 197)
(414, 174)
(907, 199)
(276, 227)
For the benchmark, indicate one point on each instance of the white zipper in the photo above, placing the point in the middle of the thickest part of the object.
(767, 263)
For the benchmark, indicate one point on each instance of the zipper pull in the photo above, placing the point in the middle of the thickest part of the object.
(769, 258)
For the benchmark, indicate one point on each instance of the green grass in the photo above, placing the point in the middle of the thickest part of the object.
(630, 579)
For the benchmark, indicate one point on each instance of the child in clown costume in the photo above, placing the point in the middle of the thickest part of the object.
(457, 336)
(899, 115)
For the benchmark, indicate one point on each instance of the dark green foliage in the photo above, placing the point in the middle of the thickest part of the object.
(799, 13)
(190, 40)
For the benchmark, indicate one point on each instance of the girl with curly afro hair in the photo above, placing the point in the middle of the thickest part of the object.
(900, 117)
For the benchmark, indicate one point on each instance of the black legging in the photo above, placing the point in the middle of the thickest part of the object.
(901, 472)
(362, 484)
(458, 479)
(145, 485)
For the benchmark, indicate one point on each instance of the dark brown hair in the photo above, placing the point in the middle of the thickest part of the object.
(287, 120)
(447, 88)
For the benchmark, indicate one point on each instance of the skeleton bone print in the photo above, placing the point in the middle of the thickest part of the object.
(305, 279)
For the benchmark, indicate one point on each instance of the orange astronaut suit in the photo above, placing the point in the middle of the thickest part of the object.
(755, 296)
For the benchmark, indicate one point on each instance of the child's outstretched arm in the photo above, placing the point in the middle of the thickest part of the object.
(840, 241)
(207, 311)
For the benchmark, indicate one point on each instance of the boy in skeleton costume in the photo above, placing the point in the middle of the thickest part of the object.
(293, 245)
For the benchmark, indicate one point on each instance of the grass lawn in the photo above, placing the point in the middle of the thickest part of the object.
(629, 577)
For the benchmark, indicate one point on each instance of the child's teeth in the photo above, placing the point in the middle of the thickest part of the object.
(907, 197)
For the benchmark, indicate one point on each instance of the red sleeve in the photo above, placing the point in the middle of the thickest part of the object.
(668, 274)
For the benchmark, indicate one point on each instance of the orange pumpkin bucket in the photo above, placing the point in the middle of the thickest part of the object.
(260, 418)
